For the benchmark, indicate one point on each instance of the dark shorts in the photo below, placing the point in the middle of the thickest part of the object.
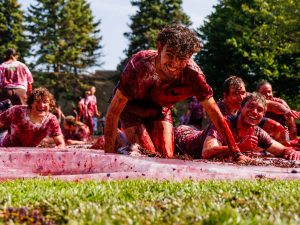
(17, 96)
(135, 118)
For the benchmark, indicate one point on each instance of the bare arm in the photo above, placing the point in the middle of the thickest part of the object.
(280, 150)
(213, 148)
(290, 121)
(115, 108)
(217, 118)
(281, 109)
(59, 141)
(75, 142)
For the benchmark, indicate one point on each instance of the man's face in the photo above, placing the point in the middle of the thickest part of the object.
(252, 113)
(40, 107)
(266, 90)
(235, 96)
(170, 64)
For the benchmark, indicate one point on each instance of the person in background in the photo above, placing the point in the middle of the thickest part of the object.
(15, 79)
(286, 120)
(151, 83)
(59, 114)
(250, 137)
(81, 106)
(75, 113)
(28, 125)
(75, 132)
(195, 113)
(91, 109)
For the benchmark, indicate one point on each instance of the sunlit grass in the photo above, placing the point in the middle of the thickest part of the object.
(149, 202)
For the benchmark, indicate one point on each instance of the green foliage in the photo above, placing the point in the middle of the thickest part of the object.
(256, 39)
(150, 202)
(66, 38)
(12, 28)
(64, 86)
(151, 16)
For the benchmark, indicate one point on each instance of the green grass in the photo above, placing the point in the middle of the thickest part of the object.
(149, 202)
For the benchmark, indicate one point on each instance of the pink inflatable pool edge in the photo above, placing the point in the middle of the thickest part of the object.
(75, 164)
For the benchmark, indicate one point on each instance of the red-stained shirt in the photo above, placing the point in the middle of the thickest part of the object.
(22, 132)
(14, 74)
(81, 133)
(91, 105)
(141, 84)
(190, 140)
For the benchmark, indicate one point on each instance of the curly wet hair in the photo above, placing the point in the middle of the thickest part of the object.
(234, 82)
(255, 97)
(41, 93)
(180, 39)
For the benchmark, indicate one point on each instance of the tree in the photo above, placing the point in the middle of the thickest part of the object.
(12, 28)
(255, 39)
(67, 39)
(151, 16)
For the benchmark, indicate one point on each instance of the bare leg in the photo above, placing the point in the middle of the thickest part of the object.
(140, 135)
(163, 138)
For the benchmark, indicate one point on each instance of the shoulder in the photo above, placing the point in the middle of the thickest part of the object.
(142, 59)
(19, 108)
(193, 68)
(52, 118)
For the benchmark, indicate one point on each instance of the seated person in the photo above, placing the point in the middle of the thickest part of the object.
(209, 143)
(28, 125)
(75, 132)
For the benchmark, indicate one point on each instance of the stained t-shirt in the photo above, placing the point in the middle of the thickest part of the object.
(190, 140)
(141, 84)
(91, 104)
(81, 133)
(223, 108)
(14, 74)
(22, 132)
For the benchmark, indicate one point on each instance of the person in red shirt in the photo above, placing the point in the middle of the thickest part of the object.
(75, 132)
(151, 83)
(91, 109)
(234, 91)
(28, 125)
(15, 79)
(286, 120)
(209, 143)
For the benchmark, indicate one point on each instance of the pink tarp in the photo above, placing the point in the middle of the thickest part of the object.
(79, 164)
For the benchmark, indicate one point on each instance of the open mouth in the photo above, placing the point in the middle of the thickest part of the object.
(171, 69)
(40, 110)
(253, 118)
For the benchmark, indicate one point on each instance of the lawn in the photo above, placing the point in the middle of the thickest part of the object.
(149, 202)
